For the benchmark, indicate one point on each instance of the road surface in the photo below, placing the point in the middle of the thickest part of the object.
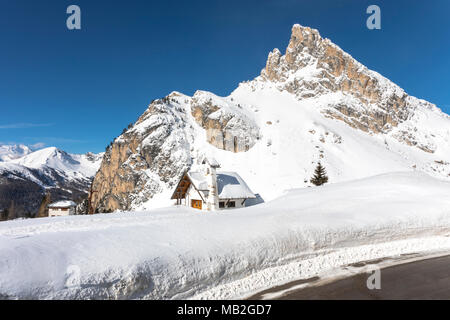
(423, 279)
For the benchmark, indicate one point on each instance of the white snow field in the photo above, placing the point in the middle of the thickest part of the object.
(182, 253)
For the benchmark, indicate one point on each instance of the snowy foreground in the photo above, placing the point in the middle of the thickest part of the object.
(183, 253)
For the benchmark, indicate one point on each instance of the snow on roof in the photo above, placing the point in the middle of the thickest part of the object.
(212, 162)
(230, 185)
(62, 204)
(198, 179)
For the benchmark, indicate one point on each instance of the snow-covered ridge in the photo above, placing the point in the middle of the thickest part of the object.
(72, 166)
(14, 151)
(25, 179)
(176, 253)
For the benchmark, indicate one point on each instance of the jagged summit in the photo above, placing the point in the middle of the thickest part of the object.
(314, 103)
(314, 66)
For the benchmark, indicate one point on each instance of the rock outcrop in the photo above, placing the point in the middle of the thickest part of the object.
(151, 153)
(336, 71)
(227, 127)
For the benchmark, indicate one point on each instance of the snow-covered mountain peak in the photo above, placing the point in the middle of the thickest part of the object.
(48, 170)
(70, 166)
(313, 66)
(341, 88)
(314, 103)
(51, 156)
(13, 151)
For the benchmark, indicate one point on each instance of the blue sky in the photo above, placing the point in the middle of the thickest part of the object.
(77, 90)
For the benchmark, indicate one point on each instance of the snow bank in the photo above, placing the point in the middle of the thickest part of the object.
(182, 253)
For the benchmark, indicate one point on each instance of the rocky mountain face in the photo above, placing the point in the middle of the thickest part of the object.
(385, 105)
(227, 127)
(141, 159)
(150, 157)
(24, 180)
(314, 103)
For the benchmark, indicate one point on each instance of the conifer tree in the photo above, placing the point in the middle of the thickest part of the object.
(320, 175)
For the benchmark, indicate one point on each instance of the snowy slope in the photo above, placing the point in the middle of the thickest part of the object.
(300, 136)
(293, 136)
(177, 253)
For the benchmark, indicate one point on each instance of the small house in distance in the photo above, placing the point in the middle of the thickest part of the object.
(61, 208)
(212, 190)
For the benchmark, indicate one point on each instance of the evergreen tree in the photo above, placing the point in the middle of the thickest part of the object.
(320, 175)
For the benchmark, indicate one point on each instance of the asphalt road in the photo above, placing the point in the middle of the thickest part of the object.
(424, 279)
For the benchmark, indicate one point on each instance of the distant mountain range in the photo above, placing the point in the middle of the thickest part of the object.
(10, 152)
(26, 175)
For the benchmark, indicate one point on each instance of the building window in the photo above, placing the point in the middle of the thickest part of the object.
(221, 204)
(231, 204)
(197, 204)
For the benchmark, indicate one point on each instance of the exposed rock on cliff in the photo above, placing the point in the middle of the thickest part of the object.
(227, 125)
(152, 153)
(330, 69)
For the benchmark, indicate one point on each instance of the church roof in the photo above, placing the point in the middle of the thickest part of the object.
(230, 185)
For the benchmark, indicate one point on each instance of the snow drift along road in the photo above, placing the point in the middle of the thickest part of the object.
(181, 252)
